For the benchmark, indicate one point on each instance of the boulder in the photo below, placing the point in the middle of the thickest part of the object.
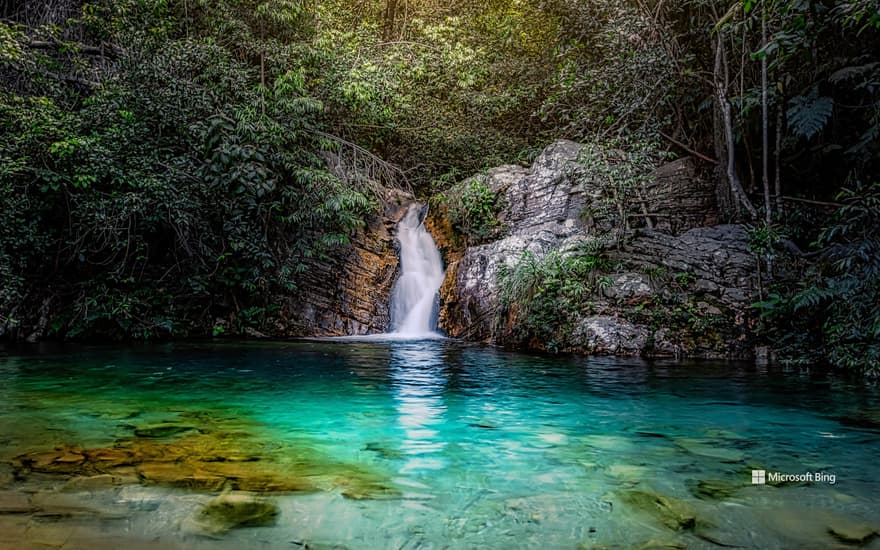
(603, 335)
(675, 289)
(715, 489)
(851, 532)
(626, 286)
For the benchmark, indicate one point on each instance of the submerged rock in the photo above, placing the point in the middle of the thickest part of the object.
(6, 475)
(204, 462)
(14, 502)
(628, 472)
(673, 513)
(61, 460)
(810, 527)
(162, 431)
(710, 449)
(661, 544)
(179, 475)
(232, 510)
(851, 532)
(384, 450)
(100, 481)
(715, 489)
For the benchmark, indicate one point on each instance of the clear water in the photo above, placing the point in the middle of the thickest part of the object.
(479, 448)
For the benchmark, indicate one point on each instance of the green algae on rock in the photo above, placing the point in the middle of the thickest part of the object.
(231, 510)
(673, 513)
(204, 462)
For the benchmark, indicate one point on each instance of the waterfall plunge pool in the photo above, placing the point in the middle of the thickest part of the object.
(427, 444)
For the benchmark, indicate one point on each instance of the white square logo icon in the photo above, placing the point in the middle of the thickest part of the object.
(759, 477)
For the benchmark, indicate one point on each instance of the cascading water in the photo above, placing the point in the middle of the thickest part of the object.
(414, 297)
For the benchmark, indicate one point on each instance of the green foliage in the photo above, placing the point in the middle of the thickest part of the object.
(472, 208)
(808, 115)
(180, 189)
(437, 88)
(680, 314)
(542, 297)
(763, 238)
(612, 71)
(623, 168)
(833, 315)
(166, 164)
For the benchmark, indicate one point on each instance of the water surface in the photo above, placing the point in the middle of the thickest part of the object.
(438, 444)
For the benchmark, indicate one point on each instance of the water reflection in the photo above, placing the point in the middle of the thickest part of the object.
(419, 383)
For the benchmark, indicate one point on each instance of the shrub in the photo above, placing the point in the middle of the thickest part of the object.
(833, 314)
(542, 297)
(473, 211)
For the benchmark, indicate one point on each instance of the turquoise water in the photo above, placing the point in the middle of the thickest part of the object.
(438, 444)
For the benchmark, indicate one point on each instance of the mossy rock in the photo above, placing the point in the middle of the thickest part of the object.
(715, 489)
(162, 431)
(232, 510)
(851, 532)
(673, 513)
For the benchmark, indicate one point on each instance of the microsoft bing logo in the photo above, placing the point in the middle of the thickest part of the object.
(759, 477)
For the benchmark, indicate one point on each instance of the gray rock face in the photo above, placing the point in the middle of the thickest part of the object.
(548, 198)
(543, 205)
(679, 190)
(629, 285)
(611, 335)
(667, 293)
(350, 294)
(717, 257)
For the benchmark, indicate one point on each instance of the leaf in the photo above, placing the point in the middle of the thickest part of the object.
(809, 114)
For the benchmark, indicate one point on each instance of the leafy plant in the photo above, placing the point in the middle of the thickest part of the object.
(833, 314)
(473, 209)
(623, 169)
(541, 298)
(808, 115)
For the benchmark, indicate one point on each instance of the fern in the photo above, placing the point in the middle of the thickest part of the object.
(809, 114)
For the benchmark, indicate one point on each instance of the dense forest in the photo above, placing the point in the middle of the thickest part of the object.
(164, 162)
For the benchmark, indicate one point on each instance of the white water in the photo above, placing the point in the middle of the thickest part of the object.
(415, 294)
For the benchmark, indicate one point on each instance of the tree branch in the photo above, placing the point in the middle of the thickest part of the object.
(103, 50)
(689, 150)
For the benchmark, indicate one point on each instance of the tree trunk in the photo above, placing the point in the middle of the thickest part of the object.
(777, 181)
(765, 132)
(736, 187)
(388, 25)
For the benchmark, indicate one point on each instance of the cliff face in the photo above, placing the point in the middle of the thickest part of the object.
(677, 288)
(350, 293)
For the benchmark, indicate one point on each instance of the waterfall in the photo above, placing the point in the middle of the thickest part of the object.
(414, 297)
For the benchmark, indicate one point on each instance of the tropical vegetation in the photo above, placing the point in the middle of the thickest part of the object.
(166, 162)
